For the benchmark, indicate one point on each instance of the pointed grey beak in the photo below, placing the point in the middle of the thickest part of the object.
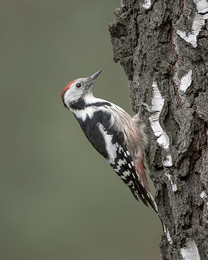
(89, 82)
(92, 78)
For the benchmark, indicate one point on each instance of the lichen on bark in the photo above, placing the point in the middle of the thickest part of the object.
(165, 44)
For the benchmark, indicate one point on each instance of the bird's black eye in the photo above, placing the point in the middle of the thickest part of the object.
(78, 85)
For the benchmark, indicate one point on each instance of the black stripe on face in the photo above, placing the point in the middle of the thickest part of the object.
(80, 104)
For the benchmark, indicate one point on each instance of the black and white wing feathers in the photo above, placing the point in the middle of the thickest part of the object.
(109, 142)
(124, 166)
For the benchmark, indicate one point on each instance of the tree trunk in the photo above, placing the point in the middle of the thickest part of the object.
(163, 48)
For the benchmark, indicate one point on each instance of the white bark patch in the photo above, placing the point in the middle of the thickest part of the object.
(204, 196)
(190, 252)
(174, 186)
(147, 4)
(157, 105)
(168, 161)
(162, 137)
(168, 235)
(202, 6)
(197, 25)
(185, 81)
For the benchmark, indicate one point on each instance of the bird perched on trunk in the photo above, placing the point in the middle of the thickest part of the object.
(117, 136)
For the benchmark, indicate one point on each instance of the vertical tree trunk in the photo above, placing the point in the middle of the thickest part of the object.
(163, 48)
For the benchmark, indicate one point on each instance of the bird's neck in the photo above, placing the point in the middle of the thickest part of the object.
(86, 107)
(87, 101)
(90, 99)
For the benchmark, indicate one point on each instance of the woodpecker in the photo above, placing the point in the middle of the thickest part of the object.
(117, 136)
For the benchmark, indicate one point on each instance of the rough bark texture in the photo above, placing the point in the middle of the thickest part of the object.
(163, 48)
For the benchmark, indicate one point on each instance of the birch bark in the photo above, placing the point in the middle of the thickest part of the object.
(163, 48)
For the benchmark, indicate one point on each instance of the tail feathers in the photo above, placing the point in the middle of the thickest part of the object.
(142, 184)
(152, 202)
(140, 169)
(145, 196)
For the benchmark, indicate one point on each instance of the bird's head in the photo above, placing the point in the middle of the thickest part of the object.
(78, 89)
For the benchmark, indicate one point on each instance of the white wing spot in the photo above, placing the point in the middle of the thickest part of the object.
(130, 183)
(111, 148)
(120, 163)
(126, 173)
(142, 184)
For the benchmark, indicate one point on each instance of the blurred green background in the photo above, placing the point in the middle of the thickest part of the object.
(59, 199)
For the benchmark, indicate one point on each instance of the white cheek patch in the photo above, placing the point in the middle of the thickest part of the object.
(72, 94)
